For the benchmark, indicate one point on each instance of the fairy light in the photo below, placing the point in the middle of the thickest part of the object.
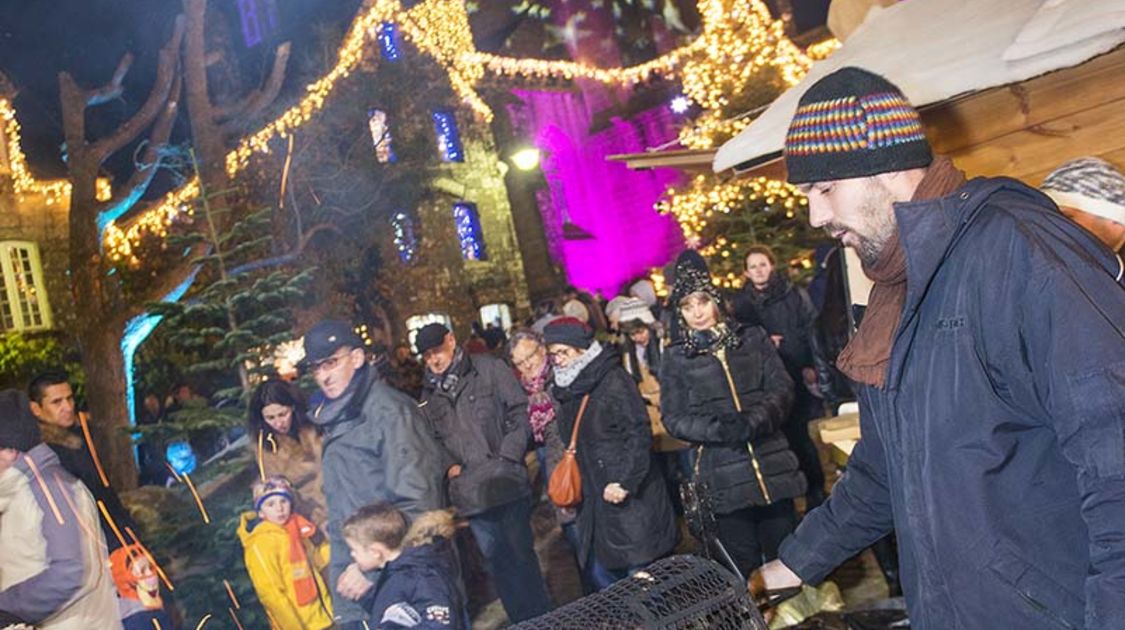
(406, 243)
(467, 222)
(24, 183)
(448, 139)
(821, 50)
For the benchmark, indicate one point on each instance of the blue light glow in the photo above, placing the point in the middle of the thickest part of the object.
(467, 222)
(381, 136)
(449, 141)
(405, 241)
(136, 331)
(388, 41)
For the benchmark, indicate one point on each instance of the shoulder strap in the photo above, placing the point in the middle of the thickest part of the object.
(578, 423)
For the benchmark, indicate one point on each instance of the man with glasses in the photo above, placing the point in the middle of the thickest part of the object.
(479, 413)
(376, 448)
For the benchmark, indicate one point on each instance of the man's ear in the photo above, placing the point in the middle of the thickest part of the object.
(357, 357)
(36, 410)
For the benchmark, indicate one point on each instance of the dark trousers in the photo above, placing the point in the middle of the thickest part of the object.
(752, 535)
(505, 540)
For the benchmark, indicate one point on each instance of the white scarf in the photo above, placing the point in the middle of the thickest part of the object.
(564, 376)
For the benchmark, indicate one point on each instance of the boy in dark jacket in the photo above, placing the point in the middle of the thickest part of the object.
(417, 586)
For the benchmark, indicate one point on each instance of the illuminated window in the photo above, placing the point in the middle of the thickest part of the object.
(381, 136)
(259, 20)
(23, 295)
(388, 41)
(499, 315)
(416, 322)
(405, 241)
(467, 221)
(448, 140)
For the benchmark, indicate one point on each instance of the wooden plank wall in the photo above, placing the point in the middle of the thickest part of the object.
(1027, 129)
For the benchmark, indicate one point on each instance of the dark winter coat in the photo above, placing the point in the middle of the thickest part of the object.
(745, 460)
(377, 447)
(782, 309)
(419, 589)
(654, 355)
(997, 449)
(615, 445)
(481, 422)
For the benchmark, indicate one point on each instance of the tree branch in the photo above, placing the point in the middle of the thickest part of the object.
(257, 100)
(152, 157)
(165, 72)
(113, 89)
(285, 258)
(161, 287)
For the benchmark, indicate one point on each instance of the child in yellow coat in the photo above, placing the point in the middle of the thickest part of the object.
(283, 560)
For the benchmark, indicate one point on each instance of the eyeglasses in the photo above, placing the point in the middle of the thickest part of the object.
(329, 364)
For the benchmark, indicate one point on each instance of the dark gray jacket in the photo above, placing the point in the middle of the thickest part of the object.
(481, 421)
(377, 447)
(997, 449)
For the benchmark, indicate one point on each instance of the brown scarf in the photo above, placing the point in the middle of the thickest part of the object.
(866, 357)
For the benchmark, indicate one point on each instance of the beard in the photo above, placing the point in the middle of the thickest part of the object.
(876, 212)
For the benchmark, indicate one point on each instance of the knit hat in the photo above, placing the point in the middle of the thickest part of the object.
(633, 311)
(328, 336)
(430, 336)
(853, 123)
(691, 276)
(273, 486)
(1091, 185)
(577, 310)
(18, 428)
(613, 309)
(569, 331)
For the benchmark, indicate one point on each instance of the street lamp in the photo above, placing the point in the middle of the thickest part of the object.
(526, 159)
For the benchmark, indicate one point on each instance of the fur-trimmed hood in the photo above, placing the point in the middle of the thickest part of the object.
(429, 527)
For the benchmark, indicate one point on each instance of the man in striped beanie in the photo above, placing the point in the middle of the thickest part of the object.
(988, 366)
(1092, 193)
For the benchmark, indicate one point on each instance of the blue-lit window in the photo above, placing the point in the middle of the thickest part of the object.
(467, 221)
(381, 136)
(388, 41)
(258, 19)
(448, 140)
(405, 241)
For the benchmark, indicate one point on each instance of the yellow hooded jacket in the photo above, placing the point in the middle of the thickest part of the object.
(267, 560)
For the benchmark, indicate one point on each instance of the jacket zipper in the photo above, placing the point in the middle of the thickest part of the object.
(721, 355)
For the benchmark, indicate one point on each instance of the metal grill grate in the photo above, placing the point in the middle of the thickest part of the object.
(684, 592)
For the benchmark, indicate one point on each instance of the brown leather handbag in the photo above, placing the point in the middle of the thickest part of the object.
(565, 486)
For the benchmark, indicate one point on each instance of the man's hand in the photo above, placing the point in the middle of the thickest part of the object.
(614, 493)
(454, 471)
(352, 584)
(776, 339)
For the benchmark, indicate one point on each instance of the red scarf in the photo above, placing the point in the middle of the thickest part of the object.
(868, 355)
(300, 529)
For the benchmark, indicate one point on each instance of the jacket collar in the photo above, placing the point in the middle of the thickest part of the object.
(929, 231)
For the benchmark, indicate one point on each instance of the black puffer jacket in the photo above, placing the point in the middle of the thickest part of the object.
(782, 309)
(481, 421)
(745, 459)
(615, 445)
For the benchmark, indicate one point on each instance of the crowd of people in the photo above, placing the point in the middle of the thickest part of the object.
(988, 365)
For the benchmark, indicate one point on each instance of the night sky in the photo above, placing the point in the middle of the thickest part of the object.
(40, 38)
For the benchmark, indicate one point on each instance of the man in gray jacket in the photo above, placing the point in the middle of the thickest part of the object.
(479, 413)
(376, 448)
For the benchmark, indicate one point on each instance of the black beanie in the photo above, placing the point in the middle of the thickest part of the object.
(692, 276)
(569, 331)
(853, 123)
(18, 428)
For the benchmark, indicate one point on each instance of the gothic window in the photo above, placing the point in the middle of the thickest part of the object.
(23, 294)
(448, 139)
(259, 20)
(467, 221)
(388, 41)
(381, 136)
(405, 242)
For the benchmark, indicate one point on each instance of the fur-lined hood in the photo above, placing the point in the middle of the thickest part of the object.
(428, 528)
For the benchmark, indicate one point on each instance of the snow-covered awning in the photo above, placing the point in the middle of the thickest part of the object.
(938, 49)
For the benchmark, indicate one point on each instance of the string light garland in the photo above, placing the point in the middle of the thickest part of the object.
(24, 183)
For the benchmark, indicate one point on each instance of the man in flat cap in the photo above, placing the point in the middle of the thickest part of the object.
(990, 366)
(376, 448)
(478, 410)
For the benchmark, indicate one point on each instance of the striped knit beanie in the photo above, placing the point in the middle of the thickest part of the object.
(853, 123)
(1091, 185)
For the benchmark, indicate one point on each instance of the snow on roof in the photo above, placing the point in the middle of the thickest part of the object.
(937, 49)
